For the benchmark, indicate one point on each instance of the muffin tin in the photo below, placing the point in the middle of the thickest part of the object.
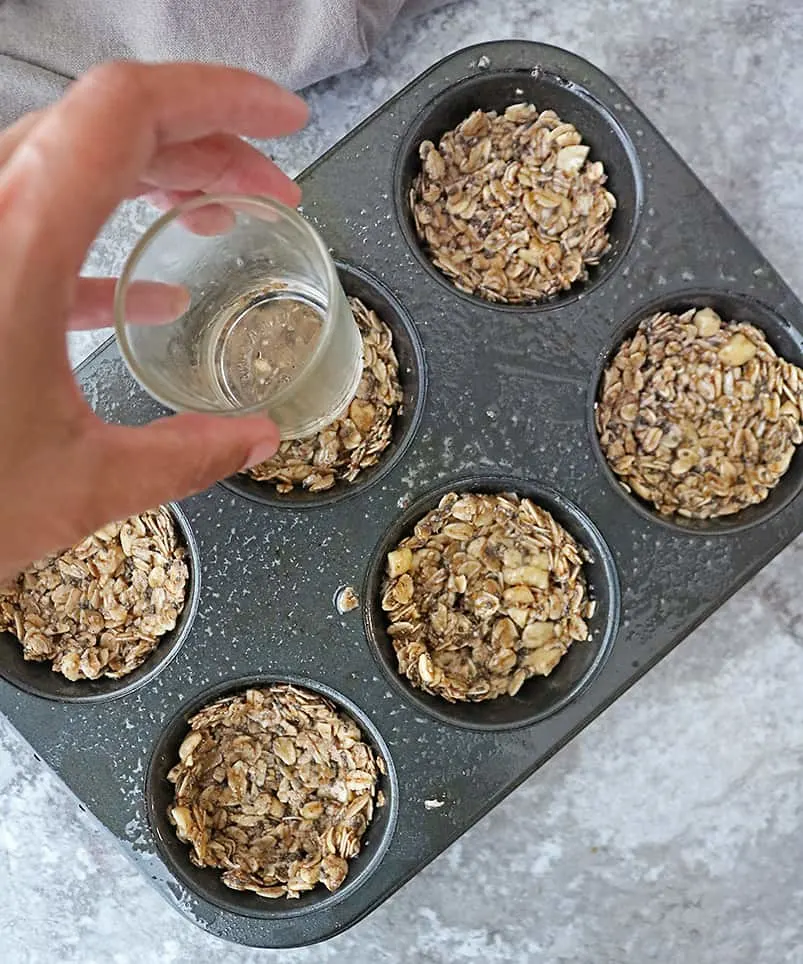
(509, 405)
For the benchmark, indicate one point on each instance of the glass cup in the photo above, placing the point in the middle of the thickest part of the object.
(231, 305)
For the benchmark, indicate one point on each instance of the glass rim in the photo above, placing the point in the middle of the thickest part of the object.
(154, 231)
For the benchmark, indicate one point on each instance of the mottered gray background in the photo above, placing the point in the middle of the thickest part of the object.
(670, 828)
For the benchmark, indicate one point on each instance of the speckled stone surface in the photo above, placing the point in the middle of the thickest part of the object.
(669, 829)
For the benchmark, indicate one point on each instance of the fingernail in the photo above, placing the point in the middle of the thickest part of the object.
(260, 452)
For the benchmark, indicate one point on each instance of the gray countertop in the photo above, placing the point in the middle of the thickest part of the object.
(670, 828)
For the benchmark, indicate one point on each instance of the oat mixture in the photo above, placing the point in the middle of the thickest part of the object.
(100, 608)
(510, 207)
(275, 788)
(698, 416)
(487, 592)
(346, 600)
(356, 440)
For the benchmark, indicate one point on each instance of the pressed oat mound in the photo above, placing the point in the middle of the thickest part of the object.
(275, 788)
(355, 441)
(510, 207)
(698, 416)
(101, 607)
(487, 592)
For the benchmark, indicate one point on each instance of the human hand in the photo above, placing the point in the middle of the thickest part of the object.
(166, 132)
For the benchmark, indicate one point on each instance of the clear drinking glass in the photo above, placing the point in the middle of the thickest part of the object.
(232, 305)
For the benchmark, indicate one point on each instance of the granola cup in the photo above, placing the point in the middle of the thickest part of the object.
(517, 190)
(357, 439)
(696, 412)
(332, 466)
(497, 693)
(355, 842)
(138, 663)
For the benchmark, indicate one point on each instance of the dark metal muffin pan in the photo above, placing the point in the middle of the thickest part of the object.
(40, 680)
(510, 393)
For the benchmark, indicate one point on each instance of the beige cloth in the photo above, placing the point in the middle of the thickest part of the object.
(45, 43)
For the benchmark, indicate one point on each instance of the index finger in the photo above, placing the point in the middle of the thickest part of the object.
(87, 152)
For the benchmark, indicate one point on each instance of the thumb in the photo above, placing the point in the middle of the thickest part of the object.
(174, 457)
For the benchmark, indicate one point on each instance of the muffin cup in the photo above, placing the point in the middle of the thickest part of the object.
(539, 697)
(413, 377)
(206, 882)
(39, 679)
(785, 339)
(497, 90)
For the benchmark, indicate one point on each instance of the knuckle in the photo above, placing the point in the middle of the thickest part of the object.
(224, 162)
(119, 79)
